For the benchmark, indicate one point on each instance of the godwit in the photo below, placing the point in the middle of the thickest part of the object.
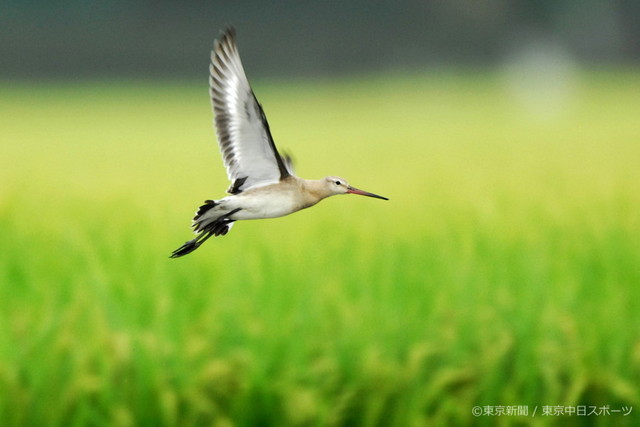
(263, 184)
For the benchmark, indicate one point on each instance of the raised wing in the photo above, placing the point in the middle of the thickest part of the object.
(247, 148)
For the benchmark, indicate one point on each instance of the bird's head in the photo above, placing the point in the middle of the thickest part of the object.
(336, 185)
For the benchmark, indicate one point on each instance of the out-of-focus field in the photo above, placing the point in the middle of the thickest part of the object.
(505, 269)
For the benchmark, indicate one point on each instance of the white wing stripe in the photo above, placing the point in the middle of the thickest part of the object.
(247, 149)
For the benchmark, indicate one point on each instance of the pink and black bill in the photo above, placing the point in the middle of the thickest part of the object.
(352, 190)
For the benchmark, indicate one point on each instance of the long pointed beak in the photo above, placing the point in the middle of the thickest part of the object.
(352, 190)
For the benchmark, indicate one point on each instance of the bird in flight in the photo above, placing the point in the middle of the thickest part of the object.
(263, 184)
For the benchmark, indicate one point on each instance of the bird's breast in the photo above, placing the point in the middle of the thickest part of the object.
(261, 205)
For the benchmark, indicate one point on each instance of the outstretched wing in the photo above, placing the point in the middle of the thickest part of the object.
(247, 148)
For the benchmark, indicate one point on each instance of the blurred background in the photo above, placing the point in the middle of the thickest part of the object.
(166, 39)
(498, 285)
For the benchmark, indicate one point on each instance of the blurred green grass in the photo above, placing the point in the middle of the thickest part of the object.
(503, 271)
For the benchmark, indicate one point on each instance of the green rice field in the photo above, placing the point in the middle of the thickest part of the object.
(504, 271)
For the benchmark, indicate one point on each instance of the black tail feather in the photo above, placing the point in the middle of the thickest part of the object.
(219, 227)
(208, 204)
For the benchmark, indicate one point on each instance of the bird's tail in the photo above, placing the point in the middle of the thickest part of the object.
(206, 227)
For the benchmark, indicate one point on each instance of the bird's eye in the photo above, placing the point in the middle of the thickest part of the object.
(338, 183)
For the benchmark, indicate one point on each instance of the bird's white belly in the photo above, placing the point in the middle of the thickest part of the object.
(260, 206)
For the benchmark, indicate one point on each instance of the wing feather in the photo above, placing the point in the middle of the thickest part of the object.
(248, 150)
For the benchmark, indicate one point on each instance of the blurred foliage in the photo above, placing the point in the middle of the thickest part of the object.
(503, 271)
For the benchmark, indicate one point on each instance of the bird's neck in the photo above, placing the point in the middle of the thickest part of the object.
(314, 190)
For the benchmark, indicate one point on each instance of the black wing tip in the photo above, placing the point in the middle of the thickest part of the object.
(219, 227)
(223, 48)
(191, 245)
(229, 31)
(185, 249)
(227, 35)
